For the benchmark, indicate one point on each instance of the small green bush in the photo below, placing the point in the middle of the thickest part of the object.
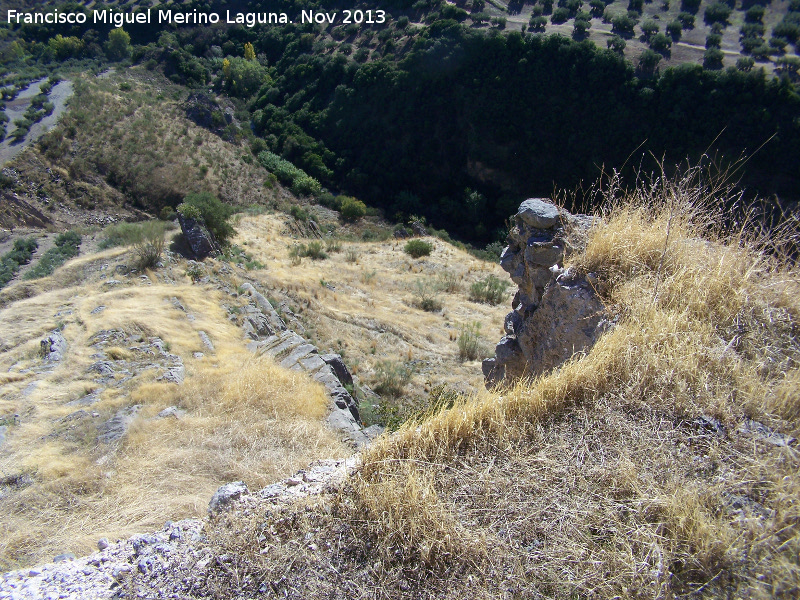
(312, 250)
(490, 290)
(418, 248)
(426, 296)
(352, 209)
(391, 378)
(150, 245)
(299, 213)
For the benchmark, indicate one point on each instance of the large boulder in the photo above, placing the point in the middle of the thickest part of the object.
(556, 313)
(199, 239)
(206, 112)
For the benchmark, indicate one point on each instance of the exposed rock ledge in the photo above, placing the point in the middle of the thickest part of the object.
(555, 312)
(171, 563)
(290, 350)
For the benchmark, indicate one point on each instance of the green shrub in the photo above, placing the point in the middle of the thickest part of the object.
(717, 13)
(468, 342)
(686, 20)
(352, 209)
(426, 296)
(305, 185)
(418, 248)
(149, 243)
(66, 247)
(312, 250)
(215, 214)
(11, 261)
(351, 255)
(189, 211)
(299, 213)
(490, 290)
(560, 15)
(391, 378)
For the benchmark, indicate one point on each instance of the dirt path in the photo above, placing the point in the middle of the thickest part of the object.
(15, 109)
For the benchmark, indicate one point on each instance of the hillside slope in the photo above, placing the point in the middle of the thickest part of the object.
(86, 453)
(663, 463)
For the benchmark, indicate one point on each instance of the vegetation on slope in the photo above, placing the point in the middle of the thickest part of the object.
(657, 464)
(433, 114)
(66, 247)
(20, 255)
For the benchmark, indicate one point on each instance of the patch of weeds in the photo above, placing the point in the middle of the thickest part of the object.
(296, 254)
(449, 281)
(333, 245)
(490, 290)
(147, 239)
(312, 250)
(468, 341)
(238, 255)
(254, 264)
(195, 273)
(299, 213)
(368, 276)
(351, 255)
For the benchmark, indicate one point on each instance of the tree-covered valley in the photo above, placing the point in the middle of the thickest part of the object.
(436, 113)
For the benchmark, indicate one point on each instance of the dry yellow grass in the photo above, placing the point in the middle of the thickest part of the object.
(371, 315)
(623, 474)
(245, 418)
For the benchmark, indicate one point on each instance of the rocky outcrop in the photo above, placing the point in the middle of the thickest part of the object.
(53, 347)
(270, 335)
(170, 563)
(226, 495)
(293, 352)
(199, 239)
(556, 313)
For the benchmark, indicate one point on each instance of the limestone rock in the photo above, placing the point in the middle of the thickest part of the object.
(117, 426)
(419, 229)
(555, 313)
(227, 494)
(335, 362)
(570, 319)
(53, 348)
(206, 341)
(262, 319)
(539, 213)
